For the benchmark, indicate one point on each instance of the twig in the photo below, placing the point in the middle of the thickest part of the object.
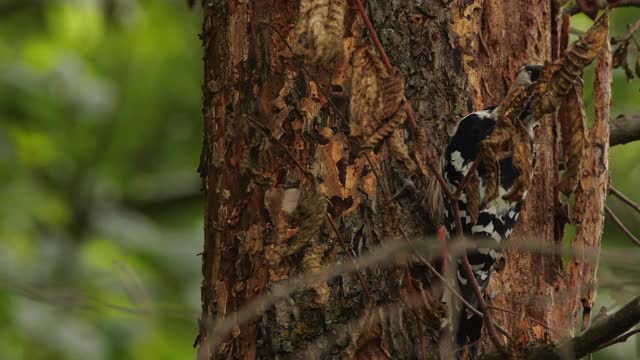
(267, 132)
(408, 108)
(374, 36)
(457, 294)
(444, 252)
(619, 339)
(333, 225)
(630, 31)
(575, 8)
(533, 320)
(71, 298)
(602, 332)
(621, 226)
(257, 305)
(466, 179)
(413, 293)
(383, 55)
(466, 346)
(623, 198)
(375, 173)
(483, 305)
(435, 171)
(476, 289)
(322, 345)
(306, 72)
(575, 31)
(346, 250)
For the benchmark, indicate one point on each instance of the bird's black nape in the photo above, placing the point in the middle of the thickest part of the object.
(534, 71)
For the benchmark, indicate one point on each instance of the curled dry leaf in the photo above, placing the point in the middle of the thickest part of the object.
(377, 105)
(433, 200)
(420, 147)
(576, 141)
(400, 151)
(309, 214)
(509, 139)
(556, 82)
(320, 29)
(558, 78)
(392, 90)
(522, 163)
(365, 332)
(365, 107)
(393, 102)
(251, 166)
(384, 131)
(312, 263)
(429, 309)
(620, 59)
(390, 220)
(493, 149)
(620, 55)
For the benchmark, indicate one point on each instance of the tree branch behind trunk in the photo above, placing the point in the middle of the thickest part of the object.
(624, 129)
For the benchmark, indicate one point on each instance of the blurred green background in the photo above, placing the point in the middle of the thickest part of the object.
(101, 216)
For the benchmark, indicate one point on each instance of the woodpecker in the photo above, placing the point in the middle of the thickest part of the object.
(496, 219)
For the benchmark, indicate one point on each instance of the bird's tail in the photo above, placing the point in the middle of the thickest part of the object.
(470, 324)
(469, 331)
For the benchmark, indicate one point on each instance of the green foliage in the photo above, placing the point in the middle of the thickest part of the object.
(100, 132)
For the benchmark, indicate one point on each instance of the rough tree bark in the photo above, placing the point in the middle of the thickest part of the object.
(456, 56)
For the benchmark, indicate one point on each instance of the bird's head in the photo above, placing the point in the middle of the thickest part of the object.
(527, 75)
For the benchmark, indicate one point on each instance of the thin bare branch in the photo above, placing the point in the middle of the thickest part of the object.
(600, 333)
(476, 289)
(576, 9)
(466, 179)
(324, 344)
(619, 339)
(623, 198)
(73, 298)
(624, 229)
(306, 72)
(413, 294)
(267, 132)
(533, 320)
(632, 28)
(363, 284)
(383, 55)
(483, 305)
(410, 114)
(221, 328)
(457, 294)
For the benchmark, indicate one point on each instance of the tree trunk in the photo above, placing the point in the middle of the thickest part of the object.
(456, 57)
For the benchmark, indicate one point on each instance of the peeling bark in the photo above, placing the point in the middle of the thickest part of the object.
(456, 57)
